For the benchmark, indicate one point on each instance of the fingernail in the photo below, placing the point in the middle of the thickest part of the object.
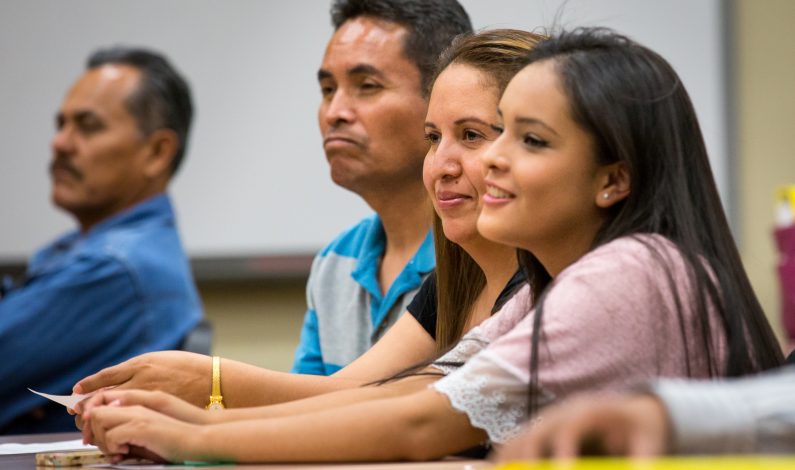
(115, 402)
(77, 389)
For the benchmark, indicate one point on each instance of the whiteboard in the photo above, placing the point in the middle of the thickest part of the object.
(255, 181)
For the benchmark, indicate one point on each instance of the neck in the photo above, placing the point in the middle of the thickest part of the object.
(88, 219)
(498, 263)
(557, 256)
(406, 217)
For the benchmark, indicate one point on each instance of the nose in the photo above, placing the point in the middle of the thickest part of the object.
(63, 140)
(338, 109)
(494, 159)
(445, 161)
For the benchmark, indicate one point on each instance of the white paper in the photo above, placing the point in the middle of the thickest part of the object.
(68, 401)
(12, 448)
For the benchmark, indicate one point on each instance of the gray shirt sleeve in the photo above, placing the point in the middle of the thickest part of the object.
(753, 414)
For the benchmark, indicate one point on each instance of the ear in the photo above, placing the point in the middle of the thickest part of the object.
(162, 145)
(614, 184)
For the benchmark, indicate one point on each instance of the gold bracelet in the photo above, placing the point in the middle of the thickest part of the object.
(216, 399)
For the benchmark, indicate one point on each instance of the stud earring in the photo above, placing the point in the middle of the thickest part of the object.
(606, 196)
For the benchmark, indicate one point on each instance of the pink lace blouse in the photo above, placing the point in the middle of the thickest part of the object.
(610, 320)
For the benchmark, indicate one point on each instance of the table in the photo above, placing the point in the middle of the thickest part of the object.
(24, 461)
(28, 461)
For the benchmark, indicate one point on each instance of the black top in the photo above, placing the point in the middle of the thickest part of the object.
(423, 306)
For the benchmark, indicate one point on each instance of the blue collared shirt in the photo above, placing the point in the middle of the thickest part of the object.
(93, 300)
(347, 312)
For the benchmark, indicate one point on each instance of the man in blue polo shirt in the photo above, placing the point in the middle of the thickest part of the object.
(374, 81)
(120, 284)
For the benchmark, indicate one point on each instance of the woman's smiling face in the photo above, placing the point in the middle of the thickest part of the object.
(460, 125)
(543, 182)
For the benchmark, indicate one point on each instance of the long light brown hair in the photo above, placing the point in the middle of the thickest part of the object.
(498, 54)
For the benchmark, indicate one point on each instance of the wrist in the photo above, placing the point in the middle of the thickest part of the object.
(216, 400)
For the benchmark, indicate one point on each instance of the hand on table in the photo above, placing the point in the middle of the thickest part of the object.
(137, 431)
(159, 402)
(633, 425)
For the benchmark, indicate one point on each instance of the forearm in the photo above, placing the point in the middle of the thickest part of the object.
(329, 400)
(244, 385)
(419, 426)
(754, 414)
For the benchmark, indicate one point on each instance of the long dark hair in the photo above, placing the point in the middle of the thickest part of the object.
(498, 54)
(633, 104)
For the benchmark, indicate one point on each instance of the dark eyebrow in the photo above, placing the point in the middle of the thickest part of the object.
(84, 117)
(365, 69)
(323, 74)
(79, 115)
(358, 69)
(527, 120)
(464, 120)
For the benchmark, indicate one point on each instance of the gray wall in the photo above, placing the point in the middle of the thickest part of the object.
(255, 180)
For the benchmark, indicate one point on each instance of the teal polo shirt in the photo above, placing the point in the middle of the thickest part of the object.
(347, 313)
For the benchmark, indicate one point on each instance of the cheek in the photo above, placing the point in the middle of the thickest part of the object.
(474, 170)
(427, 174)
(403, 125)
(321, 122)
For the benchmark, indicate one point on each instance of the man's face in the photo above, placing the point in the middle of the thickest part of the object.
(98, 153)
(372, 112)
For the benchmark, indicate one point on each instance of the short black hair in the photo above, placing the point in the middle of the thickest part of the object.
(162, 98)
(432, 25)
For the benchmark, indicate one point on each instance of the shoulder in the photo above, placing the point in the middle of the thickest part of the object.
(629, 278)
(510, 314)
(626, 258)
(149, 248)
(349, 242)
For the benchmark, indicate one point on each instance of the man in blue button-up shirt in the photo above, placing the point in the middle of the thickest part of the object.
(120, 284)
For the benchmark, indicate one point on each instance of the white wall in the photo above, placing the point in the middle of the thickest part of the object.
(255, 180)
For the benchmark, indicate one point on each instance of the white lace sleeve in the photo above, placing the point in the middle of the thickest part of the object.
(479, 337)
(470, 345)
(492, 395)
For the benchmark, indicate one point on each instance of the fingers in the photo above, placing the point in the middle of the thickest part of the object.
(108, 377)
(124, 431)
(570, 439)
(531, 444)
(101, 419)
(100, 399)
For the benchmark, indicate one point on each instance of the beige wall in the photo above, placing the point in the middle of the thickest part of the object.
(260, 323)
(765, 116)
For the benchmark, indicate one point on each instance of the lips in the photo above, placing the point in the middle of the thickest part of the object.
(449, 199)
(59, 169)
(337, 139)
(496, 195)
(450, 195)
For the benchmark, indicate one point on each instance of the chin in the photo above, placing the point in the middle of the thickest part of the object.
(459, 235)
(496, 232)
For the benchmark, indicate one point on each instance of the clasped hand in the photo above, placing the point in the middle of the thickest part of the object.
(138, 423)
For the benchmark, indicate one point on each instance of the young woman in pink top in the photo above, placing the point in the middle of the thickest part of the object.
(600, 176)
